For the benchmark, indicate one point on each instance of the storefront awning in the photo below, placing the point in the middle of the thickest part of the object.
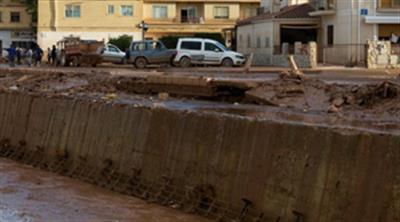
(382, 19)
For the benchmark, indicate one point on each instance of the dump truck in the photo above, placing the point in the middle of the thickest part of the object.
(75, 51)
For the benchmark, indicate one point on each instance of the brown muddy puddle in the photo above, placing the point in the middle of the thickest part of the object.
(30, 195)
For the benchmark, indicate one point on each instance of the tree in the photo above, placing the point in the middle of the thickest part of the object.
(122, 42)
(31, 8)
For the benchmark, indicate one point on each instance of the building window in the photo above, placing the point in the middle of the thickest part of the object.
(126, 10)
(221, 12)
(258, 42)
(249, 12)
(72, 11)
(110, 9)
(267, 42)
(15, 17)
(160, 11)
(330, 34)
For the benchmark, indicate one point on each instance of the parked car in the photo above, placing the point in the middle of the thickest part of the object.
(206, 51)
(111, 53)
(142, 53)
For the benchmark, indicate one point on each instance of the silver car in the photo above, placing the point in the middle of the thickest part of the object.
(111, 53)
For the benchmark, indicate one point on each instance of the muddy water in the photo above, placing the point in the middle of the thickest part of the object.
(29, 195)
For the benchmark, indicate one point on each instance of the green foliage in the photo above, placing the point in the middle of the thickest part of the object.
(215, 36)
(31, 8)
(171, 41)
(122, 42)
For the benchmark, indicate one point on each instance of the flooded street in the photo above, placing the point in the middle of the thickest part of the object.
(30, 195)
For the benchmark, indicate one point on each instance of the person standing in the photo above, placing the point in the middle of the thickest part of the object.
(11, 55)
(29, 54)
(54, 55)
(38, 55)
(48, 55)
(19, 55)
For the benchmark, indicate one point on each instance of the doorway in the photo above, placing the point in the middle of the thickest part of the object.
(188, 14)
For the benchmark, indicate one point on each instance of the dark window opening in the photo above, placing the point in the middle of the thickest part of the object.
(191, 45)
(15, 17)
(330, 35)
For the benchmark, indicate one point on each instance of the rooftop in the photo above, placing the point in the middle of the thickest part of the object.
(289, 12)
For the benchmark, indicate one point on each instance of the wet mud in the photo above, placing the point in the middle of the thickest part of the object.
(30, 195)
(270, 151)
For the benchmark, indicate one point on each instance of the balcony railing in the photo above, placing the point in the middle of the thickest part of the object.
(192, 20)
(321, 5)
(389, 4)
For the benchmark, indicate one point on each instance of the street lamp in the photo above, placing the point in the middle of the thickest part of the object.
(144, 26)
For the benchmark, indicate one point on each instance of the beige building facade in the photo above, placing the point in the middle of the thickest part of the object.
(347, 25)
(184, 18)
(102, 20)
(88, 19)
(15, 25)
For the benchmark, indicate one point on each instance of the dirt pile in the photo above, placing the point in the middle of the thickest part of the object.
(309, 94)
(295, 92)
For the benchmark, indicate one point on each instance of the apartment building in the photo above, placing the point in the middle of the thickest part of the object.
(99, 19)
(94, 19)
(15, 25)
(185, 17)
(347, 25)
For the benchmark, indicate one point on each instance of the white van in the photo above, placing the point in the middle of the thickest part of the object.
(205, 51)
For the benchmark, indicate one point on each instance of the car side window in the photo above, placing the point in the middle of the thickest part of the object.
(212, 47)
(112, 49)
(141, 46)
(191, 45)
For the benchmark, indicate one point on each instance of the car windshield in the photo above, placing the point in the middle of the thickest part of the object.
(221, 46)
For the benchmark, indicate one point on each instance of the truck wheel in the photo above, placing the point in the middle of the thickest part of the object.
(185, 62)
(76, 62)
(227, 62)
(140, 63)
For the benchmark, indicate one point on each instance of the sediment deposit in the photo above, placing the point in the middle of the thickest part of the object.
(202, 157)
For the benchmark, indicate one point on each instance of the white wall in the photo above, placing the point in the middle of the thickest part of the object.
(259, 34)
(5, 37)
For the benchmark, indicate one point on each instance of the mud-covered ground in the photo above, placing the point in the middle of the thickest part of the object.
(371, 98)
(30, 195)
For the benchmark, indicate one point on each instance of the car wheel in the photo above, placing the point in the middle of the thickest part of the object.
(185, 62)
(227, 62)
(140, 63)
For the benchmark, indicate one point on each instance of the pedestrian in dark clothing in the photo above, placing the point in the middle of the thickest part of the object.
(38, 56)
(54, 55)
(19, 55)
(49, 55)
(12, 53)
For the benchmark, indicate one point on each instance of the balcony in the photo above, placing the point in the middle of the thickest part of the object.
(324, 7)
(389, 5)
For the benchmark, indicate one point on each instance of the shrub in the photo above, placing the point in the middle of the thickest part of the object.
(171, 41)
(122, 42)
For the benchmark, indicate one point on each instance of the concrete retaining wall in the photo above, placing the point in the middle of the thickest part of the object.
(325, 174)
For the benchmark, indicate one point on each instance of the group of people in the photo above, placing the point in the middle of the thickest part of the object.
(32, 56)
